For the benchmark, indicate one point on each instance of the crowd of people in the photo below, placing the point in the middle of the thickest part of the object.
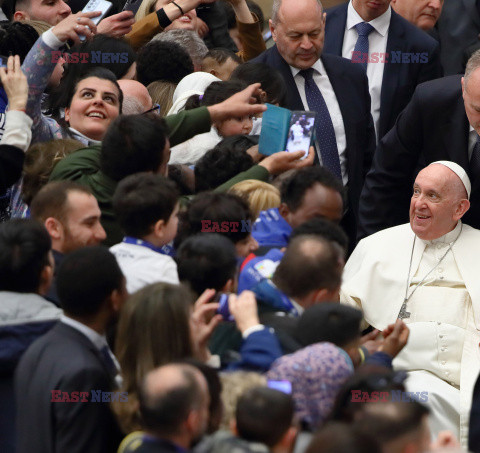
(167, 287)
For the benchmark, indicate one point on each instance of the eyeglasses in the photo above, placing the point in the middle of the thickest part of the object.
(155, 109)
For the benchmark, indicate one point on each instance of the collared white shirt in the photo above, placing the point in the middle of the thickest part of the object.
(377, 46)
(99, 341)
(320, 77)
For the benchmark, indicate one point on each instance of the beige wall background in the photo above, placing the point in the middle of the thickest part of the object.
(266, 5)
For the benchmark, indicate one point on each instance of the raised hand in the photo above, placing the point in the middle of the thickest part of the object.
(15, 84)
(76, 25)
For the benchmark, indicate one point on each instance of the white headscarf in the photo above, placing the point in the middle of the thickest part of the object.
(195, 83)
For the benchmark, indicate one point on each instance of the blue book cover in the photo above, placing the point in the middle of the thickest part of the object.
(275, 126)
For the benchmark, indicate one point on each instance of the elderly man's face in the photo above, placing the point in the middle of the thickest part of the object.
(471, 99)
(436, 204)
(299, 32)
(422, 13)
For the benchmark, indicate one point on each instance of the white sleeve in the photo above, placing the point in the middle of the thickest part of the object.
(18, 130)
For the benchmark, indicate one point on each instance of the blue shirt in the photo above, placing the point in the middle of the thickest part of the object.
(271, 229)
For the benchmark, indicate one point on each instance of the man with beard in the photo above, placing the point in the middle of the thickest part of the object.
(71, 215)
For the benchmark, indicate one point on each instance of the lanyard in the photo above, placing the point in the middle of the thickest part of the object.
(142, 243)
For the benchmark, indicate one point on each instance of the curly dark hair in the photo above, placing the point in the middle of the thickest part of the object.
(162, 60)
(223, 162)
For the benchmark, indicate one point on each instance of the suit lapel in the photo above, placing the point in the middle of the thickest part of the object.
(294, 100)
(343, 94)
(455, 135)
(391, 74)
(335, 30)
(79, 337)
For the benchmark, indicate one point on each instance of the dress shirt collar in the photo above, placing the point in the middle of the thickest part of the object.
(83, 138)
(448, 238)
(318, 66)
(380, 24)
(98, 340)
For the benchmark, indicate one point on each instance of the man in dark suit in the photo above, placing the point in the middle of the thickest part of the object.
(330, 85)
(436, 125)
(399, 55)
(174, 403)
(458, 28)
(63, 379)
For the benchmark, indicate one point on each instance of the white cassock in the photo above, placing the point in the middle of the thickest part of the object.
(443, 351)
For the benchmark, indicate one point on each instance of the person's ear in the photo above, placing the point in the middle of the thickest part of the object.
(54, 228)
(159, 228)
(117, 298)
(21, 15)
(229, 286)
(46, 278)
(273, 31)
(214, 73)
(462, 208)
(284, 211)
(263, 96)
(67, 114)
(288, 439)
(192, 422)
(233, 427)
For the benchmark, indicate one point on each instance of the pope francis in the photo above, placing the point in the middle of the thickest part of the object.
(427, 273)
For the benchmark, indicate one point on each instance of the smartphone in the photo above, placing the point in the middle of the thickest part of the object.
(3, 61)
(222, 299)
(96, 5)
(302, 127)
(282, 386)
(132, 5)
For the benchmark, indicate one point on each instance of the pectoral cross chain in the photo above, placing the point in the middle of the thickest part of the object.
(403, 311)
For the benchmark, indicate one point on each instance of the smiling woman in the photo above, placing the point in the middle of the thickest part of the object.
(93, 100)
(96, 100)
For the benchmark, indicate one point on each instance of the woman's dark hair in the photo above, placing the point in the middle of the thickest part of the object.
(100, 73)
(16, 38)
(112, 54)
(270, 78)
(215, 93)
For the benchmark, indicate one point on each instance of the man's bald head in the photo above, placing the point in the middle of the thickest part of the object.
(135, 90)
(399, 426)
(310, 264)
(277, 5)
(168, 397)
(438, 202)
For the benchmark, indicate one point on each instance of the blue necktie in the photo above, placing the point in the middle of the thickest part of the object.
(360, 53)
(325, 134)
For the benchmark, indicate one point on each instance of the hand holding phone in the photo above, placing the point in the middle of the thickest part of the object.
(132, 5)
(76, 26)
(103, 6)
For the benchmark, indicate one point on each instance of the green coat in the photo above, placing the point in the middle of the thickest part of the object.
(83, 166)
